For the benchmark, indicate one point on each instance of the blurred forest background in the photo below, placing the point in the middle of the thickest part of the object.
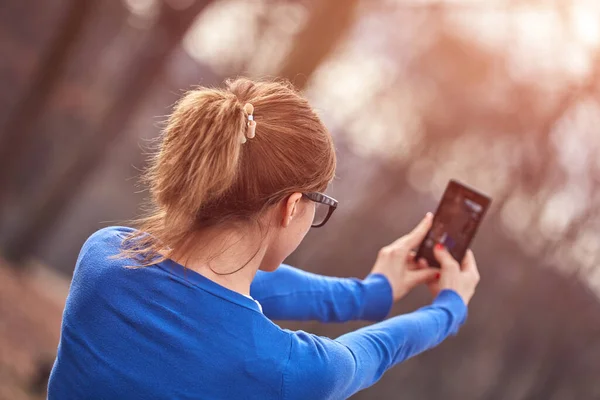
(501, 94)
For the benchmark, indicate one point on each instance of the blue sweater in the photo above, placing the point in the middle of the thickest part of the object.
(165, 332)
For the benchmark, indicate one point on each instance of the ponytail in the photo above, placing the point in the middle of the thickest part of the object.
(203, 134)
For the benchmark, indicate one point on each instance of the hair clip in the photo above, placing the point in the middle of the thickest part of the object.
(249, 109)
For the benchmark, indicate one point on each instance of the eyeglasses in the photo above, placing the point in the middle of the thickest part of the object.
(324, 208)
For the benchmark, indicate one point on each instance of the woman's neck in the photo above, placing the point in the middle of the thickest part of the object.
(227, 257)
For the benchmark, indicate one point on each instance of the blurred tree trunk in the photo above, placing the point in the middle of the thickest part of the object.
(19, 128)
(328, 23)
(145, 66)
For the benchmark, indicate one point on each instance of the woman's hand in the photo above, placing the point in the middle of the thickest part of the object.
(462, 279)
(396, 261)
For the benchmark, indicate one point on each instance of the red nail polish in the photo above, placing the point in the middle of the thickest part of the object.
(439, 246)
(437, 276)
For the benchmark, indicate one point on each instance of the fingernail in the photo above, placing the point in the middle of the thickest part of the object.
(439, 246)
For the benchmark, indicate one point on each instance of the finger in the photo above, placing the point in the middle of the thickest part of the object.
(423, 263)
(416, 236)
(419, 276)
(445, 258)
(469, 264)
(434, 286)
(411, 262)
(435, 281)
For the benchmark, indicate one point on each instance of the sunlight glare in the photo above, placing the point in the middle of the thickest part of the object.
(141, 8)
(560, 210)
(586, 24)
(143, 13)
(223, 35)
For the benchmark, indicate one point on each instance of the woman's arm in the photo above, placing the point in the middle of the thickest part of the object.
(322, 368)
(291, 294)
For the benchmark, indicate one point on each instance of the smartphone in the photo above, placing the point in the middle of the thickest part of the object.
(455, 222)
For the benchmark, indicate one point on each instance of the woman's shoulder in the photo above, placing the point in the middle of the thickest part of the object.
(108, 236)
(109, 233)
(101, 246)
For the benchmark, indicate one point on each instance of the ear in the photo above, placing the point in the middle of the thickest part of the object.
(290, 209)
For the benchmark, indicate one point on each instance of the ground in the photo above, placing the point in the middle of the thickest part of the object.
(31, 304)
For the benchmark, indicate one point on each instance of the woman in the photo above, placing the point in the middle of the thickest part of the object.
(181, 307)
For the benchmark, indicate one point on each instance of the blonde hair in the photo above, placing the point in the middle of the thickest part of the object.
(203, 175)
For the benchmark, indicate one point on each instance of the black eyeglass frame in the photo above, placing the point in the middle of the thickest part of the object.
(323, 199)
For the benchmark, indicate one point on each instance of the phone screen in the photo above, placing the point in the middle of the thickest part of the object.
(455, 222)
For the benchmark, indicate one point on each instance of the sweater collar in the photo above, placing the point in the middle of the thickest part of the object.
(208, 285)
